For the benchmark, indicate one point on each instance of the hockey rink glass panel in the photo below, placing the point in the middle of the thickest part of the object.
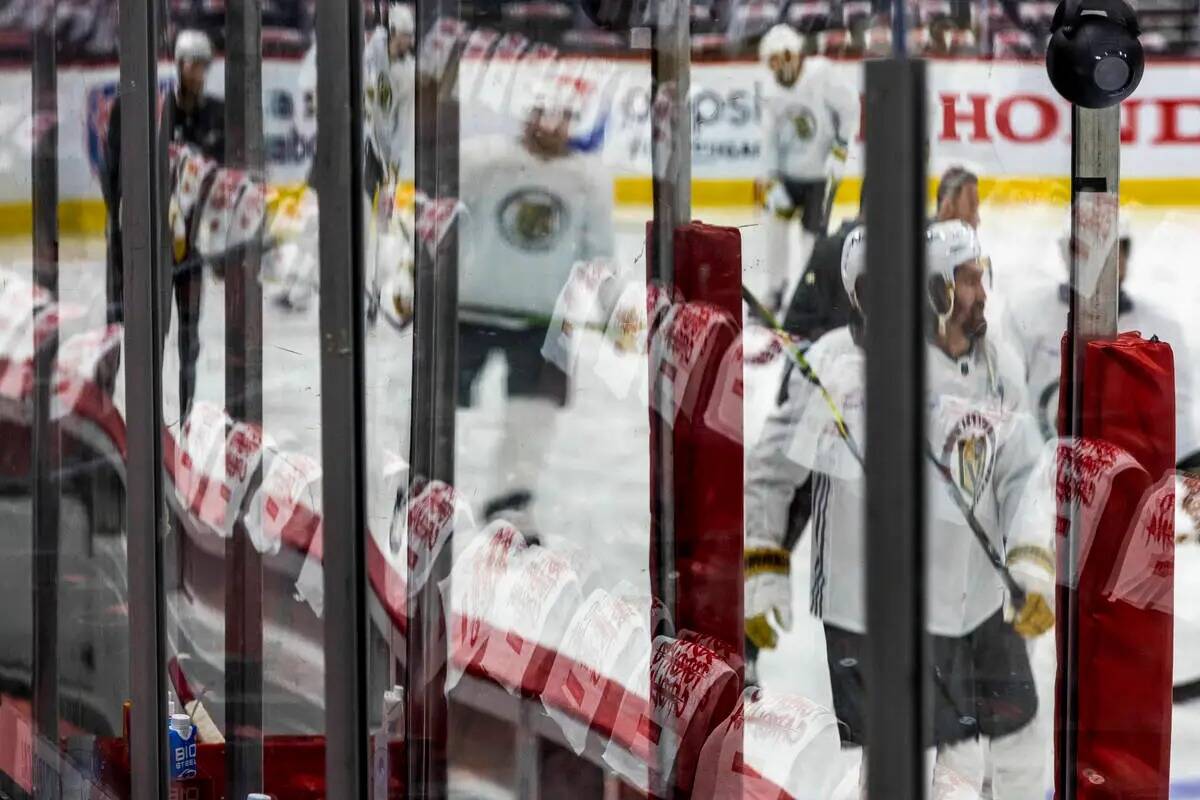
(241, 382)
(65, 636)
(547, 435)
(1085, 467)
(608, 387)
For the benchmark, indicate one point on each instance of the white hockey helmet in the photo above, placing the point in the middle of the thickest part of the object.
(400, 19)
(192, 45)
(948, 245)
(854, 263)
(781, 39)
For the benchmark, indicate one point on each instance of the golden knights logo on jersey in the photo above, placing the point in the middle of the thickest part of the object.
(381, 93)
(800, 125)
(970, 453)
(532, 219)
(804, 123)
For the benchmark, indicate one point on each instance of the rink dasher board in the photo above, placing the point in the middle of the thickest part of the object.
(1000, 118)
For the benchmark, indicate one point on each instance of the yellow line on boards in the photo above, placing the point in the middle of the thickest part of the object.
(86, 216)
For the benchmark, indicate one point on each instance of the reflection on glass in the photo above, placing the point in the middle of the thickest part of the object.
(64, 674)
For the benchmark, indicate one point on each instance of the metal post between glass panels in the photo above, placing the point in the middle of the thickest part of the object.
(243, 399)
(339, 183)
(1092, 314)
(142, 218)
(897, 672)
(672, 197)
(45, 463)
(432, 436)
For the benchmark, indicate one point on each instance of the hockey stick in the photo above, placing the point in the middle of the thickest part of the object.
(806, 370)
(372, 289)
(827, 211)
(1010, 583)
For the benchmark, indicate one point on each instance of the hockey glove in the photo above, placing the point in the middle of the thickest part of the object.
(768, 589)
(1033, 569)
(835, 167)
(400, 289)
(777, 200)
(178, 225)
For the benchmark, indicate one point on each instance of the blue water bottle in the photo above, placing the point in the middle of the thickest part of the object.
(181, 737)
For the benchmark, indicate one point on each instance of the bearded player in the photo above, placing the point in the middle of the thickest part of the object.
(810, 117)
(980, 430)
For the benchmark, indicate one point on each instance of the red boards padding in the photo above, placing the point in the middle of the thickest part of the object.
(1119, 476)
(695, 351)
(696, 484)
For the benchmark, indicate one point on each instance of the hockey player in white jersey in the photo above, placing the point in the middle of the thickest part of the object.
(1036, 318)
(389, 81)
(979, 428)
(810, 118)
(535, 204)
(388, 94)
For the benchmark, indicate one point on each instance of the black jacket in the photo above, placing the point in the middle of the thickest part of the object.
(203, 127)
(820, 303)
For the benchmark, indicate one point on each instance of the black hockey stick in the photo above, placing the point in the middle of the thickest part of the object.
(989, 549)
(827, 208)
(806, 370)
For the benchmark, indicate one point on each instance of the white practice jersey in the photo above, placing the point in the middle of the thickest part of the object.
(1036, 321)
(804, 123)
(389, 89)
(978, 427)
(527, 220)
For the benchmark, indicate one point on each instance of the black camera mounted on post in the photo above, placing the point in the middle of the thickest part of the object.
(1094, 58)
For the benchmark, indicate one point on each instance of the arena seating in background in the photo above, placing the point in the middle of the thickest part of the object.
(720, 28)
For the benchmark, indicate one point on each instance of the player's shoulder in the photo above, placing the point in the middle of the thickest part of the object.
(375, 55)
(574, 167)
(486, 153)
(772, 93)
(1034, 300)
(832, 344)
(378, 37)
(1008, 363)
(820, 72)
(1008, 372)
(589, 166)
(490, 146)
(818, 66)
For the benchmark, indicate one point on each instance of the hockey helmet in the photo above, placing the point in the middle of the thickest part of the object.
(400, 19)
(192, 45)
(779, 40)
(948, 245)
(854, 263)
